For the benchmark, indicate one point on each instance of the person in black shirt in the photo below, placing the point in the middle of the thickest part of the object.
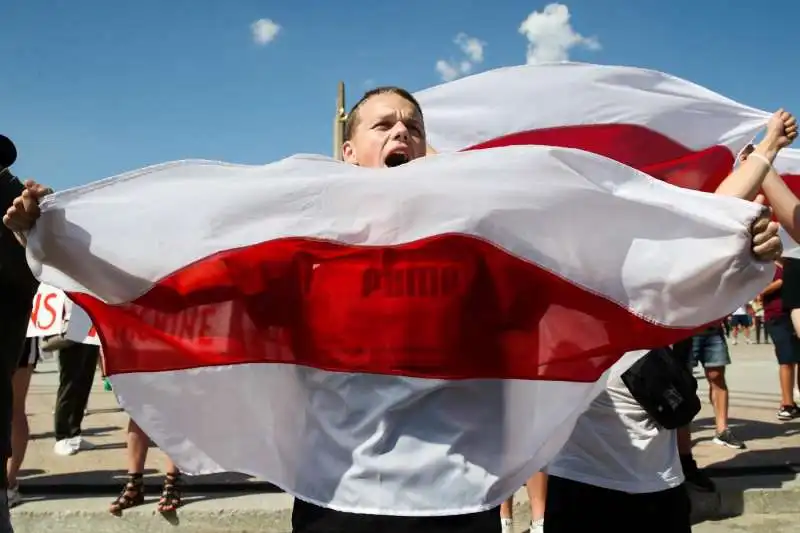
(17, 288)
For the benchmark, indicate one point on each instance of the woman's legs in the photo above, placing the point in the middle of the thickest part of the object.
(20, 432)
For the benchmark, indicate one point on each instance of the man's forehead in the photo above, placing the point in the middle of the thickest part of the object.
(388, 104)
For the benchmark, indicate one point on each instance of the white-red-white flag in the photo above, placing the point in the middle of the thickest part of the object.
(370, 339)
(667, 127)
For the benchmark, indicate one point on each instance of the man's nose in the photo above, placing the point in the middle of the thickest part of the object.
(399, 132)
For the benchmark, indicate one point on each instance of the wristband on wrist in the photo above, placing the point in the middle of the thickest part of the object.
(761, 158)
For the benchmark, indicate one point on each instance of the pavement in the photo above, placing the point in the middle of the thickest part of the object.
(759, 487)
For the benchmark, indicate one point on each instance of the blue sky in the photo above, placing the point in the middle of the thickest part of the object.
(92, 88)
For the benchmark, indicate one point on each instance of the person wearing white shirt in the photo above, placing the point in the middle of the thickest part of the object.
(740, 321)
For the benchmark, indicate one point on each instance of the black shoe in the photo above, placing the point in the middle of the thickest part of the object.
(696, 478)
(727, 438)
(788, 412)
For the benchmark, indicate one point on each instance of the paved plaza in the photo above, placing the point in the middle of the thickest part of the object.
(62, 493)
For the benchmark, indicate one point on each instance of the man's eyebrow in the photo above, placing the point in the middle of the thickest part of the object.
(415, 119)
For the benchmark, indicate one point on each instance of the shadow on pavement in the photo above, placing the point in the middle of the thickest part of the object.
(110, 482)
(88, 432)
(754, 462)
(750, 483)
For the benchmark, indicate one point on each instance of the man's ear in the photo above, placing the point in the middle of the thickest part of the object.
(349, 153)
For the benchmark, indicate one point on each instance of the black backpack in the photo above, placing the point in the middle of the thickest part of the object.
(665, 387)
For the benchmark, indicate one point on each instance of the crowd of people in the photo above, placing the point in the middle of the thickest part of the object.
(623, 466)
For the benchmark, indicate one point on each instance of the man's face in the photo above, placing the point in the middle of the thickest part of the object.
(389, 132)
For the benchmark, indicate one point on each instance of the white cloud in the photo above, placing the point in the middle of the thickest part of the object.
(471, 48)
(551, 36)
(447, 70)
(264, 31)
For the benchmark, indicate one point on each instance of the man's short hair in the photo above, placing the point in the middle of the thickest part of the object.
(352, 118)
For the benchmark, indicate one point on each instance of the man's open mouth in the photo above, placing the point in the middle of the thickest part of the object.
(396, 159)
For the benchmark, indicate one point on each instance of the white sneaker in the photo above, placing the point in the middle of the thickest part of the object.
(507, 525)
(66, 447)
(82, 444)
(14, 497)
(537, 526)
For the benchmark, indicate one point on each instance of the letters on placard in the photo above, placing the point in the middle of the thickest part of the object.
(47, 313)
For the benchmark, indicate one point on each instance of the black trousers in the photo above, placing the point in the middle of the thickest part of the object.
(310, 518)
(574, 507)
(77, 365)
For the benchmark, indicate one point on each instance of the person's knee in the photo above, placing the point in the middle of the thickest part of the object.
(716, 377)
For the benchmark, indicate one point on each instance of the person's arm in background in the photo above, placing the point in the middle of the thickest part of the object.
(746, 181)
(772, 287)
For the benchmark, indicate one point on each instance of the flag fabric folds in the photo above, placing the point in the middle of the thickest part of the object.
(787, 164)
(416, 340)
(667, 127)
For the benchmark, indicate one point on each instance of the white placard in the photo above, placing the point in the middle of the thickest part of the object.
(47, 315)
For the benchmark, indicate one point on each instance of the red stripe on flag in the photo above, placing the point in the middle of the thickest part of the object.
(635, 146)
(793, 182)
(450, 307)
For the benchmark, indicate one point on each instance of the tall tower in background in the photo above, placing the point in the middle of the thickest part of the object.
(338, 123)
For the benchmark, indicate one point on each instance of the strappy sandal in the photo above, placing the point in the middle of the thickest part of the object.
(131, 496)
(170, 494)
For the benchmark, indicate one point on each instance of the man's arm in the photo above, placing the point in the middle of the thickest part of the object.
(747, 180)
